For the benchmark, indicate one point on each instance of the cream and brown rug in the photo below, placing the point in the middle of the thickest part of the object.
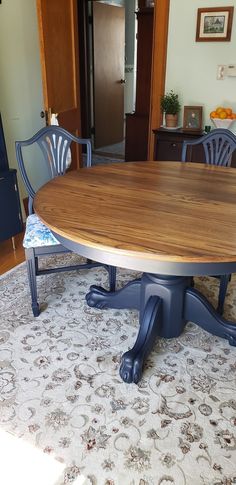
(61, 394)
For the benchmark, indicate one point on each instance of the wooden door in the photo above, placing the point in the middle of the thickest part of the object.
(109, 59)
(59, 49)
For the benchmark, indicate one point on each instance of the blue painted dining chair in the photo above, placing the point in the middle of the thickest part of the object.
(41, 158)
(218, 148)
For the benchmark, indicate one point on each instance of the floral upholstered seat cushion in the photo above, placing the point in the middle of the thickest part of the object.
(37, 234)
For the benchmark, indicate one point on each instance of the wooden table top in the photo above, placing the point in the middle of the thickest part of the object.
(169, 212)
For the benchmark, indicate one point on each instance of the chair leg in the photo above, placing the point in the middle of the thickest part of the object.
(31, 270)
(112, 277)
(224, 279)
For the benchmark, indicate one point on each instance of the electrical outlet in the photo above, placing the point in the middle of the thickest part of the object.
(221, 72)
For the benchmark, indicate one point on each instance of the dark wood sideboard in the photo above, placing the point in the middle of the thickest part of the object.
(10, 209)
(168, 145)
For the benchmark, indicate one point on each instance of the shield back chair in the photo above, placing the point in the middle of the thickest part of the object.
(218, 147)
(48, 152)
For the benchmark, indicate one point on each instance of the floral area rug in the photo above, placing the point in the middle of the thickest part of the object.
(60, 389)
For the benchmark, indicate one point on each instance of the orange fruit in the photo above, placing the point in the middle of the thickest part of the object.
(222, 115)
(213, 114)
(219, 109)
(228, 111)
(233, 116)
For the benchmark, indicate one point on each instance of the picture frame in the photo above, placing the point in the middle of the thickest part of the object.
(214, 24)
(192, 118)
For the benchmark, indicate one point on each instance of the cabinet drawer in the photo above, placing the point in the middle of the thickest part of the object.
(168, 150)
(169, 145)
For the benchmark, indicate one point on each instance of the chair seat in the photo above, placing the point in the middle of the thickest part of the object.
(37, 234)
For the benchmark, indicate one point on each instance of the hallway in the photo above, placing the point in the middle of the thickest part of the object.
(117, 150)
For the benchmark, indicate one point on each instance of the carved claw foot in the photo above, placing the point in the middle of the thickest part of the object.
(97, 297)
(126, 297)
(131, 367)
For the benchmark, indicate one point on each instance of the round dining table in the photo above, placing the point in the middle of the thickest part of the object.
(168, 220)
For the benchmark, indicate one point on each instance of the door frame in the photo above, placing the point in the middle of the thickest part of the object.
(85, 94)
(85, 60)
(159, 56)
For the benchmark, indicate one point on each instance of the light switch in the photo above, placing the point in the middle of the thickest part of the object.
(221, 72)
(231, 70)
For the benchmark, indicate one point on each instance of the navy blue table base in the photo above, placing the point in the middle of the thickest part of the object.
(165, 304)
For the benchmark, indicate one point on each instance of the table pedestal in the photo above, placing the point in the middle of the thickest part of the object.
(165, 304)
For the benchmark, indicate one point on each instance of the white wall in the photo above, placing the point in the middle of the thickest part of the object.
(192, 66)
(20, 78)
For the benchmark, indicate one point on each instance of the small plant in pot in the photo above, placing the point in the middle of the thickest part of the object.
(170, 105)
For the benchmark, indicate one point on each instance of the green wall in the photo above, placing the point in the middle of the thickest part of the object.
(192, 66)
(20, 83)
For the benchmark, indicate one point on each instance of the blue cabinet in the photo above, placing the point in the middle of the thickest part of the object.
(3, 151)
(10, 210)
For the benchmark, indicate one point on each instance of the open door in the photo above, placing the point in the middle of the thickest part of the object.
(59, 50)
(109, 59)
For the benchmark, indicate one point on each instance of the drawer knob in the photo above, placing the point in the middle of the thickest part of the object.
(173, 144)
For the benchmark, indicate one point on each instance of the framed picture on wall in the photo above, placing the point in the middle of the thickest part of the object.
(192, 118)
(214, 24)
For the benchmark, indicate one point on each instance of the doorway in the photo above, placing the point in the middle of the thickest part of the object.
(55, 37)
(106, 100)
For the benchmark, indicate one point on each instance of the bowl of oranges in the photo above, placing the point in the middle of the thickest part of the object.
(222, 117)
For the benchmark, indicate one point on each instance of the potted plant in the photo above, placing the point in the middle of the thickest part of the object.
(170, 105)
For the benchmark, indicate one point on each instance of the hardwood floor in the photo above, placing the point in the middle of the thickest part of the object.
(10, 257)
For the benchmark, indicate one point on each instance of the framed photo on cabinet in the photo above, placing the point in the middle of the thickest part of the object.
(192, 118)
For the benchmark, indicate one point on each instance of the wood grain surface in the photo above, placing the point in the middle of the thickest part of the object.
(163, 211)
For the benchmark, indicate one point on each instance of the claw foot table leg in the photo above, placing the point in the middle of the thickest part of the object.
(132, 361)
(126, 297)
(161, 314)
(165, 304)
(197, 309)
